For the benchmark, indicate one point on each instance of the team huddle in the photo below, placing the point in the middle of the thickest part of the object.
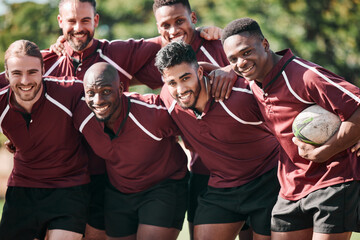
(94, 161)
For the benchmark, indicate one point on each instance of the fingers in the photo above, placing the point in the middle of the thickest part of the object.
(356, 148)
(211, 33)
(59, 47)
(9, 146)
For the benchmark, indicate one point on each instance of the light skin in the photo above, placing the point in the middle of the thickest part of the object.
(24, 74)
(252, 58)
(78, 22)
(103, 90)
(25, 78)
(187, 86)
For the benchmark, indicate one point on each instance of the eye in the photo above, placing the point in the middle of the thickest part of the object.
(90, 93)
(106, 92)
(247, 53)
(171, 84)
(180, 21)
(166, 26)
(185, 79)
(233, 60)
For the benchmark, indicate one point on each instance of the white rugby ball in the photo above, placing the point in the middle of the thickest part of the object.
(315, 125)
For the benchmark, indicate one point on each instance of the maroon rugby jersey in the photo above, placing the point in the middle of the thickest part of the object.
(232, 141)
(49, 153)
(206, 51)
(291, 86)
(141, 151)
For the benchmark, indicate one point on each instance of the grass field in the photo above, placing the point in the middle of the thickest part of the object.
(184, 234)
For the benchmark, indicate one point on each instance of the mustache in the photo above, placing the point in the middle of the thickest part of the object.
(188, 91)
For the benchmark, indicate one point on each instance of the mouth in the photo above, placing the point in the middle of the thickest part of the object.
(25, 88)
(100, 110)
(247, 70)
(184, 98)
(79, 35)
(177, 38)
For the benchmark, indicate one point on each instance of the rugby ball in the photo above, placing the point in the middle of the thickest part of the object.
(315, 125)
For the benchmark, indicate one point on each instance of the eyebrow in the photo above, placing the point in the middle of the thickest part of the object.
(185, 74)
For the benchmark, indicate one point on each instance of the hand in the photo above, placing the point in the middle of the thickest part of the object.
(210, 33)
(310, 152)
(222, 81)
(355, 148)
(58, 47)
(10, 146)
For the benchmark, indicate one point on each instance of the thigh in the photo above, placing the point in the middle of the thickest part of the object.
(96, 207)
(219, 231)
(334, 208)
(197, 185)
(67, 209)
(165, 204)
(19, 217)
(149, 232)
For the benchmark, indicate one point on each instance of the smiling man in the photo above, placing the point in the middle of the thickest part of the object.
(146, 195)
(227, 136)
(47, 189)
(319, 192)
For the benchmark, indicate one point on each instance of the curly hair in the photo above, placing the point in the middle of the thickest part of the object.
(160, 3)
(241, 25)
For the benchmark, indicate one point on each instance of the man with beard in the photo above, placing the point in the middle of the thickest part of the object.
(227, 136)
(319, 192)
(47, 188)
(145, 197)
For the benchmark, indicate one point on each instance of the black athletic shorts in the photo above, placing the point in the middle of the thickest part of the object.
(96, 207)
(252, 201)
(327, 210)
(28, 212)
(162, 205)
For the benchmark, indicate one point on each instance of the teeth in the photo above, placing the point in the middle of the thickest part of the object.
(187, 95)
(100, 109)
(25, 88)
(248, 69)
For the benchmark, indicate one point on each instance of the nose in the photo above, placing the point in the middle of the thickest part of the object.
(25, 80)
(181, 89)
(77, 27)
(241, 62)
(173, 30)
(97, 99)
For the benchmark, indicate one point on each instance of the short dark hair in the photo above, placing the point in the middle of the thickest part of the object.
(241, 25)
(174, 54)
(160, 3)
(92, 2)
(21, 48)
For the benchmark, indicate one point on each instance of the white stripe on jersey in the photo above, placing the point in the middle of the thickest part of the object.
(292, 91)
(129, 93)
(3, 116)
(143, 128)
(244, 90)
(2, 73)
(63, 80)
(353, 96)
(171, 108)
(62, 107)
(237, 118)
(3, 91)
(147, 104)
(207, 54)
(54, 66)
(111, 62)
(86, 120)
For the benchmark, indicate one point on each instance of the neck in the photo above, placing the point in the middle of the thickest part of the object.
(26, 105)
(204, 94)
(272, 61)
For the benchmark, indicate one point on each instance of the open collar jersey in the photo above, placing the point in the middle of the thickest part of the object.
(230, 137)
(206, 51)
(49, 153)
(293, 85)
(141, 150)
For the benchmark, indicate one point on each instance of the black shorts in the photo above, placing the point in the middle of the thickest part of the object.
(28, 212)
(197, 185)
(162, 205)
(252, 201)
(327, 210)
(96, 207)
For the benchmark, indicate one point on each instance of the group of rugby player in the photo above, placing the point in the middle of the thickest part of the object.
(94, 161)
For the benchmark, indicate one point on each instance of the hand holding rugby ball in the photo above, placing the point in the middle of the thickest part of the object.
(315, 125)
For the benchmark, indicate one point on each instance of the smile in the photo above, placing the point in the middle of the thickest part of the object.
(248, 69)
(26, 88)
(101, 109)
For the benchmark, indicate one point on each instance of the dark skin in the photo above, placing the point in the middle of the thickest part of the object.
(103, 90)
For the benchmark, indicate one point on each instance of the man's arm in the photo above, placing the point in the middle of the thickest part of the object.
(347, 135)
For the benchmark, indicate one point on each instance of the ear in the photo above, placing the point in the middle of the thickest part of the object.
(96, 20)
(59, 18)
(193, 17)
(121, 88)
(266, 44)
(200, 72)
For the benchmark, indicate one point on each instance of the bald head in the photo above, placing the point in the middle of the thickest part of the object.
(101, 73)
